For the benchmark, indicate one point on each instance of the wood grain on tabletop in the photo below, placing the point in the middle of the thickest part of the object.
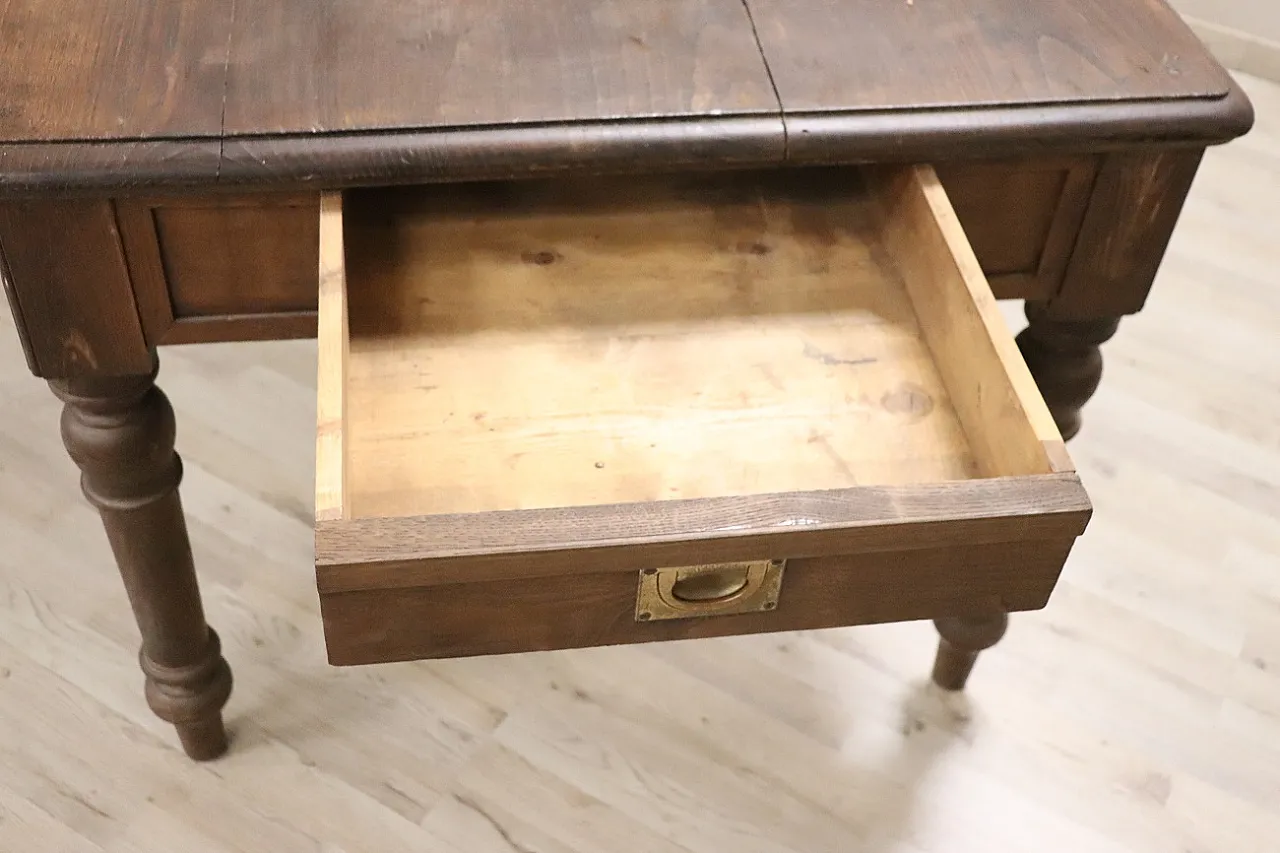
(826, 56)
(126, 69)
(295, 94)
(353, 65)
(292, 66)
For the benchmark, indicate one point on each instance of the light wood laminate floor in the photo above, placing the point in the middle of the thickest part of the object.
(1140, 711)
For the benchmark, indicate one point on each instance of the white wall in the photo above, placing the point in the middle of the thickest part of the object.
(1258, 18)
(1243, 34)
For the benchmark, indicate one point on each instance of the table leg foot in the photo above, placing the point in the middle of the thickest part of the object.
(191, 698)
(120, 431)
(1065, 359)
(962, 638)
(203, 740)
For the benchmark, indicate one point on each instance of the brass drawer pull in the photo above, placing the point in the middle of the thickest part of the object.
(710, 586)
(716, 589)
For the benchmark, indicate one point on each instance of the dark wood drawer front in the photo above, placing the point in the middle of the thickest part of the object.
(1021, 217)
(225, 268)
(596, 609)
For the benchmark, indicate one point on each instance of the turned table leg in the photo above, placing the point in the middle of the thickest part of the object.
(962, 637)
(1065, 359)
(120, 431)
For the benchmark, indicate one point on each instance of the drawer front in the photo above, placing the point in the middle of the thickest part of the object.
(599, 608)
(539, 403)
(223, 268)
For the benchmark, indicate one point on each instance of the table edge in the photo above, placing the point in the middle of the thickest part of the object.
(300, 161)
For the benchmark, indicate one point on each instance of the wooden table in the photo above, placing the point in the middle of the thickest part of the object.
(162, 162)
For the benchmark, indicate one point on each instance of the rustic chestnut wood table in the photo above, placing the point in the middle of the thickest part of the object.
(163, 169)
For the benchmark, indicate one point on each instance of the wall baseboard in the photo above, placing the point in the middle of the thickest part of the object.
(1239, 50)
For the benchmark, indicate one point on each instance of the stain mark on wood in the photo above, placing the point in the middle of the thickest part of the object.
(908, 399)
(819, 355)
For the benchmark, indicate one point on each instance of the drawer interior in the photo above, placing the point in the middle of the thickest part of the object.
(617, 340)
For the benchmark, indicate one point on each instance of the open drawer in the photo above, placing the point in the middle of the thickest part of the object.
(612, 410)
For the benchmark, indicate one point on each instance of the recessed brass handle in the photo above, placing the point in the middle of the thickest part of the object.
(711, 585)
(716, 589)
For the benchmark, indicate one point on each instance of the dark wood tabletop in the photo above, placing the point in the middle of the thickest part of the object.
(159, 92)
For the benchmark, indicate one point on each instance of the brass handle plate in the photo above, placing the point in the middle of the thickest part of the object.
(714, 589)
